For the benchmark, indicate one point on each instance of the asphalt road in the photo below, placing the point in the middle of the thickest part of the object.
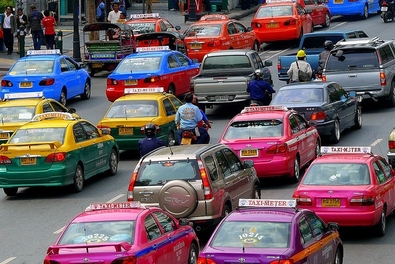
(34, 218)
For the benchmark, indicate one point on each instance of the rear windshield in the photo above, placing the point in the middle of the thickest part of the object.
(298, 96)
(158, 173)
(203, 30)
(143, 108)
(350, 59)
(133, 65)
(141, 28)
(27, 67)
(226, 62)
(16, 114)
(342, 174)
(254, 129)
(38, 135)
(274, 11)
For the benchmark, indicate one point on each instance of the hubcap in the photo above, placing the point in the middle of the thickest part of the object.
(113, 162)
(337, 130)
(78, 178)
(193, 257)
(296, 168)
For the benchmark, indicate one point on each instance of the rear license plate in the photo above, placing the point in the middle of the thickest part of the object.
(249, 153)
(221, 98)
(97, 65)
(186, 141)
(125, 131)
(196, 45)
(28, 161)
(4, 135)
(25, 85)
(272, 25)
(384, 8)
(131, 82)
(330, 202)
(339, 1)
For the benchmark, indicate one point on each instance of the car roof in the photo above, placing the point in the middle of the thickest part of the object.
(336, 32)
(180, 152)
(40, 57)
(345, 158)
(144, 54)
(263, 214)
(308, 85)
(259, 114)
(230, 52)
(143, 96)
(21, 102)
(107, 215)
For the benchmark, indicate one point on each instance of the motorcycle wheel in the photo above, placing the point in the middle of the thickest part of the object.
(385, 17)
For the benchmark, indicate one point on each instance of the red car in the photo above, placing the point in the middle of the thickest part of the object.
(125, 233)
(279, 141)
(349, 185)
(320, 12)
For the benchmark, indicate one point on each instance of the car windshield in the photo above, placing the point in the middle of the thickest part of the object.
(330, 174)
(274, 11)
(227, 62)
(254, 129)
(127, 109)
(16, 114)
(98, 232)
(133, 65)
(158, 173)
(142, 28)
(31, 67)
(350, 59)
(298, 96)
(203, 30)
(262, 234)
(38, 135)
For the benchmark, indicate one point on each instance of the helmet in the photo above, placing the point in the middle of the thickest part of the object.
(301, 54)
(149, 130)
(258, 74)
(328, 45)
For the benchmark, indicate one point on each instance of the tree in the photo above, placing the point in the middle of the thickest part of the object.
(4, 3)
(91, 17)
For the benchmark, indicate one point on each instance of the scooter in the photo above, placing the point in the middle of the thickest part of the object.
(188, 137)
(268, 99)
(387, 11)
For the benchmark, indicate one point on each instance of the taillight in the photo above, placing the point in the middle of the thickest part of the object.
(391, 144)
(5, 160)
(133, 182)
(290, 22)
(278, 65)
(48, 261)
(152, 79)
(112, 81)
(104, 128)
(256, 24)
(383, 80)
(47, 82)
(208, 194)
(125, 260)
(214, 43)
(6, 83)
(56, 157)
(205, 261)
(318, 116)
(302, 200)
(362, 201)
(282, 261)
(384, 4)
(278, 148)
(323, 78)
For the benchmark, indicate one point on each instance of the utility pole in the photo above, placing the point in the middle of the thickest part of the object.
(76, 33)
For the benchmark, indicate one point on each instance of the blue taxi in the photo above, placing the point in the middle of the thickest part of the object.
(273, 232)
(58, 76)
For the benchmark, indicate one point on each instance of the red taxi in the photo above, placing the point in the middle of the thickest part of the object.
(278, 140)
(218, 32)
(279, 20)
(320, 12)
(349, 185)
(127, 233)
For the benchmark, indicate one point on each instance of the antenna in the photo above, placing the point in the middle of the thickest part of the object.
(381, 151)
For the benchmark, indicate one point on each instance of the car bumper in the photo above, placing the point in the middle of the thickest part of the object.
(325, 128)
(207, 101)
(274, 168)
(342, 10)
(277, 35)
(391, 158)
(351, 218)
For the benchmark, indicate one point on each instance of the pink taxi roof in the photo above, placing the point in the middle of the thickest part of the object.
(260, 112)
(263, 214)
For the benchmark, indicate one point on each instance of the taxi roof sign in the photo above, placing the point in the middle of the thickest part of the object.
(144, 90)
(142, 16)
(23, 95)
(346, 150)
(267, 203)
(109, 206)
(214, 17)
(252, 109)
(53, 115)
(43, 52)
(153, 48)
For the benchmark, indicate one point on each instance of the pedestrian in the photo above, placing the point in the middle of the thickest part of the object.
(300, 70)
(100, 12)
(150, 142)
(259, 89)
(49, 24)
(114, 14)
(122, 18)
(34, 23)
(8, 25)
(21, 20)
(181, 6)
(121, 5)
(149, 6)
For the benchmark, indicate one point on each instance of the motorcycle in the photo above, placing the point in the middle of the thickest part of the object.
(267, 100)
(387, 11)
(189, 137)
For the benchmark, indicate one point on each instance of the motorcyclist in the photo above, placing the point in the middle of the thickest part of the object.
(150, 142)
(328, 46)
(298, 67)
(258, 89)
(204, 122)
(187, 118)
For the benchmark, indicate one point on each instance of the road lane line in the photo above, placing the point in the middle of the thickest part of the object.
(8, 260)
(377, 141)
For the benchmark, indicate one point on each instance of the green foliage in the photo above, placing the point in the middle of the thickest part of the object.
(4, 3)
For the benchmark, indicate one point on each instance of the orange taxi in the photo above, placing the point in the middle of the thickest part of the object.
(279, 20)
(218, 32)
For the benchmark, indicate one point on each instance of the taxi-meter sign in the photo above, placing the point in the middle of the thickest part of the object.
(251, 109)
(109, 206)
(267, 203)
(144, 90)
(53, 115)
(346, 150)
(155, 48)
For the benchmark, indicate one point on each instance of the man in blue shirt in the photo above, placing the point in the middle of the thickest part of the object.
(150, 142)
(187, 118)
(258, 88)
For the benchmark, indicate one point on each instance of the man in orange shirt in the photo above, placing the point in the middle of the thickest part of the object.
(49, 24)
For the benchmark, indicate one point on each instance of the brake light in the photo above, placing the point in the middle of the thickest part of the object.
(48, 261)
(391, 144)
(56, 157)
(125, 260)
(282, 261)
(133, 182)
(205, 261)
(6, 83)
(362, 201)
(278, 65)
(290, 22)
(152, 79)
(214, 43)
(323, 78)
(112, 82)
(384, 4)
(302, 200)
(352, 1)
(318, 116)
(208, 194)
(278, 148)
(5, 160)
(104, 128)
(47, 82)
(383, 80)
(256, 24)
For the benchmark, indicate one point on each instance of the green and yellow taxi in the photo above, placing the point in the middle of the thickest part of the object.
(19, 108)
(127, 116)
(56, 149)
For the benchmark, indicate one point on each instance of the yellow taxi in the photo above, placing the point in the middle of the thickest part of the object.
(217, 32)
(281, 20)
(56, 149)
(127, 116)
(19, 108)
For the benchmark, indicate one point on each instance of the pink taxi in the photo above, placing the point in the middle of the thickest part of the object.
(126, 233)
(349, 185)
(279, 141)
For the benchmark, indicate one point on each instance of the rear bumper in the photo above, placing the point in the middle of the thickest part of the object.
(351, 218)
(238, 98)
(277, 35)
(274, 168)
(325, 129)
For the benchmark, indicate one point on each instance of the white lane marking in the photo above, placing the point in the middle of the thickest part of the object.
(377, 141)
(8, 260)
(109, 201)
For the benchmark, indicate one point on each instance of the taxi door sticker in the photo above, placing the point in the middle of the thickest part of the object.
(178, 250)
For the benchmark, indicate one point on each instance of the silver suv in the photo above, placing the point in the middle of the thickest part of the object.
(201, 182)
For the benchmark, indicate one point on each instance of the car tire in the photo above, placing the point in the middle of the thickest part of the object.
(296, 172)
(171, 90)
(336, 132)
(327, 20)
(257, 192)
(365, 12)
(10, 191)
(358, 118)
(87, 91)
(113, 163)
(338, 256)
(381, 225)
(317, 149)
(193, 254)
(91, 71)
(78, 179)
(178, 197)
(226, 210)
(391, 96)
(63, 97)
(256, 46)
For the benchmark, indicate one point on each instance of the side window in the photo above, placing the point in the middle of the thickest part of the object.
(169, 107)
(167, 25)
(342, 94)
(182, 59)
(162, 26)
(72, 66)
(240, 27)
(386, 168)
(306, 233)
(231, 29)
(258, 64)
(386, 54)
(234, 161)
(79, 133)
(301, 121)
(223, 164)
(175, 102)
(58, 107)
(152, 228)
(172, 62)
(165, 221)
(379, 173)
(294, 124)
(63, 65)
(91, 131)
(211, 168)
(318, 225)
(333, 96)
(47, 108)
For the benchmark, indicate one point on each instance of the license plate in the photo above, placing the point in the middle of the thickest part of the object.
(4, 135)
(28, 161)
(384, 8)
(272, 25)
(25, 85)
(221, 98)
(339, 1)
(186, 141)
(125, 131)
(131, 82)
(196, 45)
(330, 203)
(97, 65)
(249, 153)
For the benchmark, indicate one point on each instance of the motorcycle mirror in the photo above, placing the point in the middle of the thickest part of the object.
(172, 142)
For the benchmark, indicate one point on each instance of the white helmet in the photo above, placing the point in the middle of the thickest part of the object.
(258, 73)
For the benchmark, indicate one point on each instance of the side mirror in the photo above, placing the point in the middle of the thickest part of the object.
(184, 222)
(268, 63)
(172, 143)
(249, 29)
(72, 110)
(333, 226)
(178, 28)
(248, 164)
(313, 123)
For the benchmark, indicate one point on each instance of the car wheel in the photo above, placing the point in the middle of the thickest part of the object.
(78, 181)
(327, 20)
(113, 163)
(87, 91)
(365, 12)
(226, 210)
(257, 192)
(193, 254)
(317, 149)
(391, 96)
(63, 98)
(358, 118)
(336, 132)
(301, 34)
(10, 191)
(296, 172)
(172, 89)
(381, 225)
(91, 71)
(338, 257)
(256, 46)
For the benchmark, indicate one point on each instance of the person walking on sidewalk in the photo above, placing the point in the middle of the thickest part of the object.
(149, 6)
(34, 19)
(49, 24)
(8, 25)
(21, 20)
(181, 6)
(100, 12)
(114, 15)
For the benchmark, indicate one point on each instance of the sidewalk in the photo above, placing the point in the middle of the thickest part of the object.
(175, 17)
